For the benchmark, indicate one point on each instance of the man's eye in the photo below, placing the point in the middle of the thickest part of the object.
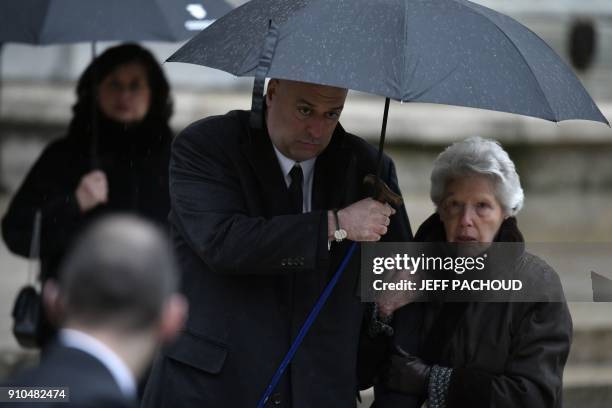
(304, 111)
(333, 115)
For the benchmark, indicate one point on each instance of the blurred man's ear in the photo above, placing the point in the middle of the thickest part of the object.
(173, 317)
(271, 90)
(52, 301)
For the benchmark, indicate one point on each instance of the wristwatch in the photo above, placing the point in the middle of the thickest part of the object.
(339, 233)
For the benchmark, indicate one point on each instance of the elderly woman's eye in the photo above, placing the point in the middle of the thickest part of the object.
(453, 206)
(483, 208)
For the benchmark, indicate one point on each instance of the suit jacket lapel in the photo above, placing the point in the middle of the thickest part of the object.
(332, 177)
(260, 154)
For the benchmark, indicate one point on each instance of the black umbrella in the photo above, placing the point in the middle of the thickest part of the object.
(451, 52)
(69, 21)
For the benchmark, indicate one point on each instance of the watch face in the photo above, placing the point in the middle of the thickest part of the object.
(340, 234)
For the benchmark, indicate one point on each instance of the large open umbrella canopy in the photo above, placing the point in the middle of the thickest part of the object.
(451, 52)
(69, 21)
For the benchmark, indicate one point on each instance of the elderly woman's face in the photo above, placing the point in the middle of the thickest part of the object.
(470, 212)
(124, 95)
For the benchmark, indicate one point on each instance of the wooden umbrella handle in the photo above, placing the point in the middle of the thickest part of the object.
(380, 191)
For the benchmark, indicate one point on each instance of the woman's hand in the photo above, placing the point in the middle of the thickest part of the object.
(388, 301)
(92, 190)
(407, 373)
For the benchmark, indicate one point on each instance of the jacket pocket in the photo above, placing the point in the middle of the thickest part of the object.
(199, 352)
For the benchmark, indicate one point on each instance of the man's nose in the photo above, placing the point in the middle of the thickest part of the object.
(316, 127)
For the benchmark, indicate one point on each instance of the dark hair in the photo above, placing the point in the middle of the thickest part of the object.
(119, 273)
(161, 102)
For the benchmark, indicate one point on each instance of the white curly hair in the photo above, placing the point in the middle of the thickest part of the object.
(478, 156)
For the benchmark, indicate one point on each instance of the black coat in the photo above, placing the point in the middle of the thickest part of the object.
(135, 161)
(503, 354)
(90, 383)
(252, 271)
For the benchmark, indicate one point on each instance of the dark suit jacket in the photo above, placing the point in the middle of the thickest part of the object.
(252, 271)
(90, 383)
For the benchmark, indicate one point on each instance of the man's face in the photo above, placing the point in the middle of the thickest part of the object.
(302, 117)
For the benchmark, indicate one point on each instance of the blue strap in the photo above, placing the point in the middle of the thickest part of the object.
(306, 326)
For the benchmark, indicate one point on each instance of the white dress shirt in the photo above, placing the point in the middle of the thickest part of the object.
(307, 166)
(101, 352)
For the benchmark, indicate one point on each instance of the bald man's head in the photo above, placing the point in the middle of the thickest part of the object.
(120, 272)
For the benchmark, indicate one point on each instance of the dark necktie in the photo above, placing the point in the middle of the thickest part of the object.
(295, 189)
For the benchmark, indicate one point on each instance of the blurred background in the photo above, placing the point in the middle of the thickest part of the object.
(566, 169)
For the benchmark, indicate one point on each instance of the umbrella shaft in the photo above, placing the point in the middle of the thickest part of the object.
(381, 143)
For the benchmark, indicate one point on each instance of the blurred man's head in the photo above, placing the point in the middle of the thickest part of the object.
(120, 276)
(302, 117)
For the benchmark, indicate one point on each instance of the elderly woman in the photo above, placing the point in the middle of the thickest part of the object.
(477, 354)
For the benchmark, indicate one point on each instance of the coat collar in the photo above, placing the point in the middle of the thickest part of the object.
(432, 230)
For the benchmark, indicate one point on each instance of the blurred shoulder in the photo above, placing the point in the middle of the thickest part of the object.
(223, 129)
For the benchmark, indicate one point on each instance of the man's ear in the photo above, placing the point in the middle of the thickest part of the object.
(271, 91)
(52, 302)
(173, 317)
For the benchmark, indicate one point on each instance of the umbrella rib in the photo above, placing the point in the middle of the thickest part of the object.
(552, 111)
(44, 25)
(164, 18)
(433, 85)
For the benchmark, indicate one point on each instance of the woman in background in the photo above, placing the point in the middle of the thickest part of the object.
(114, 158)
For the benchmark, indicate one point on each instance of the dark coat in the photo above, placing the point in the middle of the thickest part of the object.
(90, 383)
(252, 271)
(135, 161)
(503, 354)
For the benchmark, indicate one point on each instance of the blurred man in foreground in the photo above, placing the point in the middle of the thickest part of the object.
(115, 302)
